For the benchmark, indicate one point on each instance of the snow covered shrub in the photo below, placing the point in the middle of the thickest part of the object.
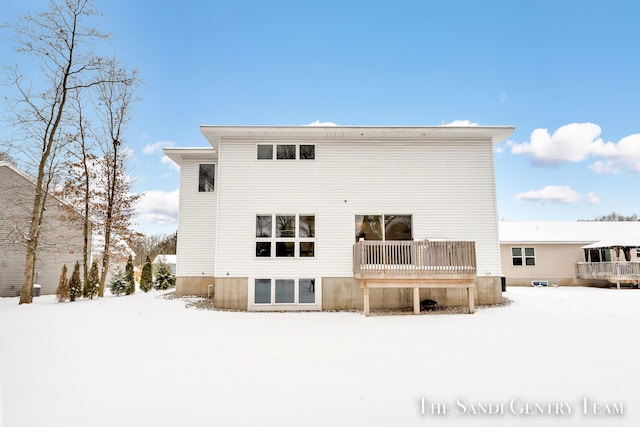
(118, 284)
(91, 289)
(75, 285)
(146, 278)
(164, 278)
(130, 277)
(62, 291)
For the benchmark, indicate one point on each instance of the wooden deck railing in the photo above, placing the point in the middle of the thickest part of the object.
(618, 271)
(414, 259)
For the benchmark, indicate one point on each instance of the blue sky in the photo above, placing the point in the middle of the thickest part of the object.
(564, 73)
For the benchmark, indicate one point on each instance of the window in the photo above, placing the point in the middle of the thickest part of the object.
(265, 152)
(285, 291)
(540, 282)
(383, 227)
(263, 291)
(286, 151)
(307, 291)
(206, 178)
(523, 257)
(285, 236)
(307, 152)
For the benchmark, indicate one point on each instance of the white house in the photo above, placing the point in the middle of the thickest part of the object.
(168, 259)
(564, 253)
(270, 216)
(61, 236)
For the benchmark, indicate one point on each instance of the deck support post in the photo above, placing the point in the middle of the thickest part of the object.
(416, 300)
(471, 301)
(366, 301)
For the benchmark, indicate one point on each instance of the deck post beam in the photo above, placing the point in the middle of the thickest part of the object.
(416, 300)
(366, 301)
(472, 308)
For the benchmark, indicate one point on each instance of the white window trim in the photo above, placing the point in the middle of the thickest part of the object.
(296, 240)
(215, 180)
(274, 151)
(524, 256)
(273, 306)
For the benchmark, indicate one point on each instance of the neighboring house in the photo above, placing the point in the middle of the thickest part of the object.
(272, 216)
(570, 253)
(61, 238)
(170, 260)
(118, 258)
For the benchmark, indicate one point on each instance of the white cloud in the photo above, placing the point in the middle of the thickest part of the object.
(157, 146)
(461, 123)
(158, 207)
(167, 161)
(625, 155)
(551, 194)
(503, 98)
(593, 199)
(319, 123)
(577, 142)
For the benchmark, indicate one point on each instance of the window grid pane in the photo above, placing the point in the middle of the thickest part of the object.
(307, 291)
(265, 152)
(285, 291)
(397, 227)
(262, 291)
(285, 226)
(307, 226)
(263, 226)
(263, 249)
(307, 152)
(368, 227)
(286, 152)
(307, 249)
(285, 249)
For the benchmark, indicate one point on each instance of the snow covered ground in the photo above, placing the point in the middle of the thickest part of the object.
(554, 357)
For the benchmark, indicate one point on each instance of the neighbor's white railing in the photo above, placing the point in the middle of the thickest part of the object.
(617, 270)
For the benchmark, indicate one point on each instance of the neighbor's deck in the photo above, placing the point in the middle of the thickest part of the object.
(415, 264)
(615, 272)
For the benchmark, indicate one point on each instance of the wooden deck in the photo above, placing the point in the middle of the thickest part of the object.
(415, 264)
(615, 272)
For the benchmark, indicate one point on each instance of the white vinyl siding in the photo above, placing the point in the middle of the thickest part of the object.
(448, 188)
(197, 223)
(61, 237)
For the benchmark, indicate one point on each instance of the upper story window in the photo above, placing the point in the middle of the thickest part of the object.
(265, 152)
(206, 178)
(286, 151)
(285, 236)
(523, 256)
(307, 152)
(383, 227)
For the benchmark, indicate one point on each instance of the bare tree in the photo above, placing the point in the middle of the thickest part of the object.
(77, 188)
(60, 40)
(154, 244)
(116, 97)
(6, 157)
(614, 216)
